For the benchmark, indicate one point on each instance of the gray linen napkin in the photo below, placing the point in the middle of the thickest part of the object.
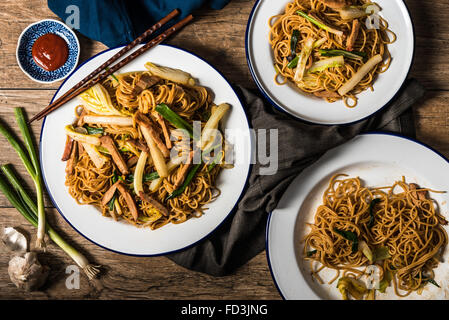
(242, 235)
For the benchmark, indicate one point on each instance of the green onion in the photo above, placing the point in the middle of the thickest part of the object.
(324, 64)
(351, 236)
(433, 282)
(150, 176)
(371, 212)
(114, 177)
(356, 55)
(112, 75)
(214, 162)
(174, 118)
(31, 163)
(91, 130)
(187, 181)
(292, 64)
(311, 253)
(294, 42)
(112, 201)
(320, 24)
(18, 197)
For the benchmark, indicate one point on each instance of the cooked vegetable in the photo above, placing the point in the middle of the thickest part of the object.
(108, 120)
(93, 131)
(97, 100)
(148, 131)
(174, 118)
(352, 286)
(381, 253)
(294, 43)
(156, 155)
(211, 125)
(97, 158)
(351, 236)
(187, 181)
(360, 74)
(324, 64)
(83, 138)
(363, 246)
(20, 199)
(311, 253)
(319, 42)
(156, 204)
(355, 12)
(320, 24)
(138, 172)
(385, 282)
(371, 212)
(31, 163)
(171, 74)
(356, 55)
(303, 58)
(156, 183)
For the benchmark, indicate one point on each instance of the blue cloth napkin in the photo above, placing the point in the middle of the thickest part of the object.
(118, 22)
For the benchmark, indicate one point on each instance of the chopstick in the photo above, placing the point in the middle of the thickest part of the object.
(97, 75)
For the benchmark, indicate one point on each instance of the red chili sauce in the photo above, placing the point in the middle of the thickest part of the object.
(50, 51)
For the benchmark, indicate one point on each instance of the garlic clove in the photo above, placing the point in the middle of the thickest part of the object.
(14, 240)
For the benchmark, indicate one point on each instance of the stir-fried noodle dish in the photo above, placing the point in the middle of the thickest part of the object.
(333, 49)
(146, 148)
(375, 238)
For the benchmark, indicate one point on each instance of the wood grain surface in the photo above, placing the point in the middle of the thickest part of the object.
(218, 36)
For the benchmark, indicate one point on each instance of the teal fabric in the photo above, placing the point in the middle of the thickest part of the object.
(118, 22)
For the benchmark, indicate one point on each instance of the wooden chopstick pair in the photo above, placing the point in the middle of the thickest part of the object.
(103, 71)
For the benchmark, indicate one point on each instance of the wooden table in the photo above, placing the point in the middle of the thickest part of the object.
(218, 36)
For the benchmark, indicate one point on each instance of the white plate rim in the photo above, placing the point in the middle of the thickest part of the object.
(296, 116)
(270, 215)
(251, 141)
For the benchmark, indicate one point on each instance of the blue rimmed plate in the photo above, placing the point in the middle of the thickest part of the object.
(25, 45)
(122, 237)
(312, 109)
(379, 159)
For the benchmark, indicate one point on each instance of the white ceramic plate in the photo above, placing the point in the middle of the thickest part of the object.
(312, 109)
(122, 237)
(379, 160)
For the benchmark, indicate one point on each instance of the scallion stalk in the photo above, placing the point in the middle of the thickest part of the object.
(320, 24)
(174, 118)
(18, 197)
(31, 163)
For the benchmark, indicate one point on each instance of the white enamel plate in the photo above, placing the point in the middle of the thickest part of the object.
(312, 109)
(120, 236)
(378, 160)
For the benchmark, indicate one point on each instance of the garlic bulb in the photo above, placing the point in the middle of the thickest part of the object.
(14, 240)
(26, 272)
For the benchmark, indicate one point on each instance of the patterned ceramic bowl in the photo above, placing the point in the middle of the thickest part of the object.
(25, 44)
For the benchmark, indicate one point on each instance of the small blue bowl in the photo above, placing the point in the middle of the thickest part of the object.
(25, 44)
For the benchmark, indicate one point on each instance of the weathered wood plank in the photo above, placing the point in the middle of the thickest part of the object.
(126, 277)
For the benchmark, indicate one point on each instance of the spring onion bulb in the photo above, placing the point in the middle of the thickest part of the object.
(138, 172)
(320, 24)
(171, 74)
(303, 58)
(20, 199)
(360, 74)
(324, 64)
(81, 137)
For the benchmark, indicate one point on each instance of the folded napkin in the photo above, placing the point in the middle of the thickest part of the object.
(118, 22)
(242, 235)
